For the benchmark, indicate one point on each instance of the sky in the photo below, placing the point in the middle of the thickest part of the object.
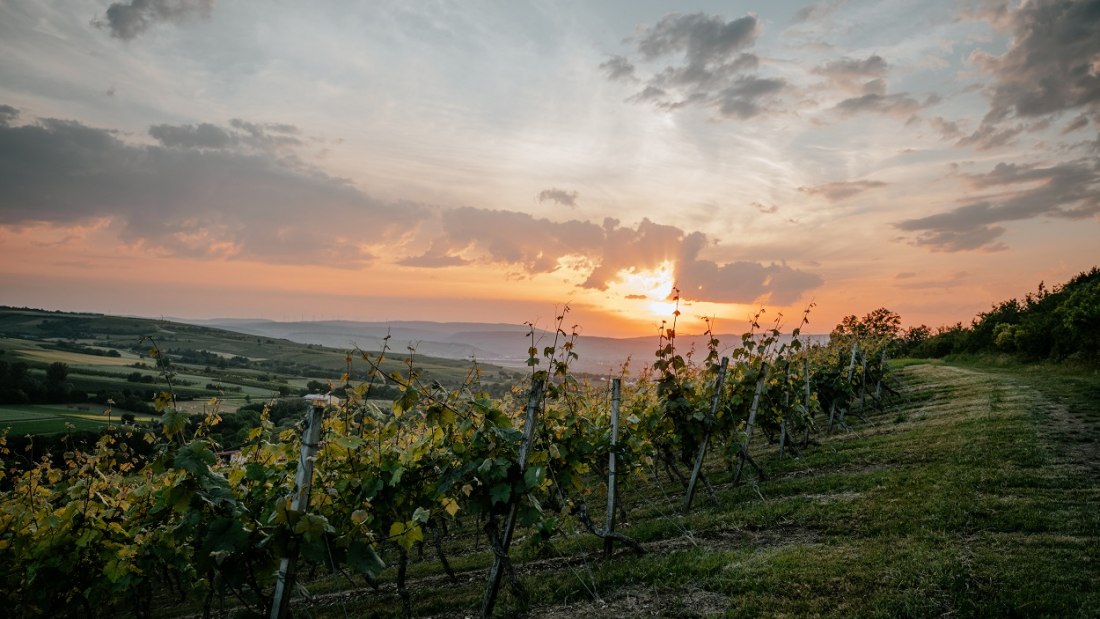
(497, 161)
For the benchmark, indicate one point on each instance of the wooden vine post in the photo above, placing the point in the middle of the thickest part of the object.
(786, 410)
(612, 481)
(881, 373)
(833, 407)
(851, 373)
(807, 386)
(711, 420)
(760, 382)
(303, 482)
(534, 401)
(863, 382)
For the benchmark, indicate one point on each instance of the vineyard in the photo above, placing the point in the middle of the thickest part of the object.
(394, 507)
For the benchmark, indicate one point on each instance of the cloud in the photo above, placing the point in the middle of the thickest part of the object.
(816, 12)
(7, 114)
(561, 196)
(1052, 63)
(1080, 122)
(600, 253)
(856, 76)
(710, 66)
(128, 20)
(949, 129)
(702, 39)
(839, 190)
(744, 98)
(202, 191)
(1065, 191)
(1051, 67)
(990, 136)
(900, 104)
(240, 133)
(618, 68)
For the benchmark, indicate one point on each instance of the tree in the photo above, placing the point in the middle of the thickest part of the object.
(878, 324)
(56, 373)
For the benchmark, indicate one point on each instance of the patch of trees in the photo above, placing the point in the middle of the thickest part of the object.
(1056, 324)
(19, 386)
(84, 350)
(205, 357)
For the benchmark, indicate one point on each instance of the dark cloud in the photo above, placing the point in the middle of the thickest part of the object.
(198, 192)
(538, 245)
(204, 135)
(1051, 67)
(989, 136)
(1053, 63)
(1065, 191)
(7, 114)
(864, 76)
(618, 68)
(127, 20)
(561, 196)
(240, 133)
(900, 104)
(744, 98)
(839, 190)
(710, 66)
(702, 39)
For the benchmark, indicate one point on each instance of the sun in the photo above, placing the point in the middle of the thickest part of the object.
(649, 288)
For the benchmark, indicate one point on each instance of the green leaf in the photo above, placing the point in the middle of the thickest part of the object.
(195, 458)
(364, 559)
(533, 476)
(313, 526)
(500, 493)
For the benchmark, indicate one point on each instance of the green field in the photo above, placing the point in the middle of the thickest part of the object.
(54, 418)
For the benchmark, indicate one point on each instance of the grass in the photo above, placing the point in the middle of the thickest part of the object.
(55, 418)
(965, 498)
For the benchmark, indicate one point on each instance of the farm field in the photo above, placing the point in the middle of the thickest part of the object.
(54, 418)
(106, 355)
(970, 496)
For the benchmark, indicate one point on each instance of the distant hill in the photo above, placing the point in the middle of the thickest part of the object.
(496, 343)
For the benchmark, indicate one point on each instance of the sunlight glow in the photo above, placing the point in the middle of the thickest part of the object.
(648, 288)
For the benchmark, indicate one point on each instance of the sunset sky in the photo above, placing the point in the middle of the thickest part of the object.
(491, 161)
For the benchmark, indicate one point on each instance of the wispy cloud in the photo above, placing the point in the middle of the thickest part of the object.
(840, 190)
(1063, 191)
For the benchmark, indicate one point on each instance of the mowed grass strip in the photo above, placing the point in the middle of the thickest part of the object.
(957, 500)
(23, 419)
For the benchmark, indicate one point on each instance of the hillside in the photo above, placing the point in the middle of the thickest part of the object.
(104, 358)
(495, 343)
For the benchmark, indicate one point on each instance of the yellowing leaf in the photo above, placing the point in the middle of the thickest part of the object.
(450, 506)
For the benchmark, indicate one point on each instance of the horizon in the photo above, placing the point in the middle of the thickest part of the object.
(493, 164)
